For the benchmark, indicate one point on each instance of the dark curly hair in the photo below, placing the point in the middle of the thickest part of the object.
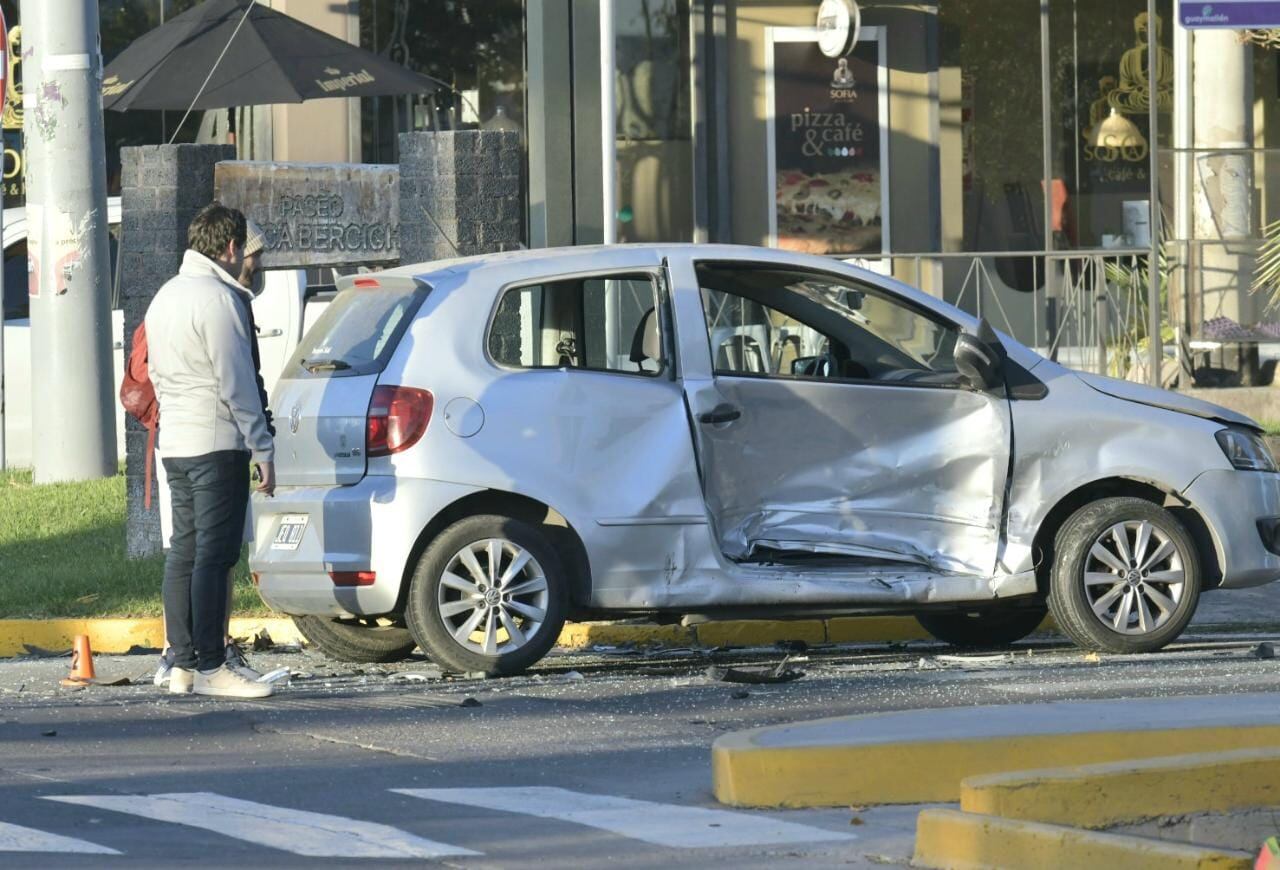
(213, 227)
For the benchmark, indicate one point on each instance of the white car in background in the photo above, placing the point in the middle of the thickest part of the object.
(283, 311)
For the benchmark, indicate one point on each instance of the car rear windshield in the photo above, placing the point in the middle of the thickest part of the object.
(358, 331)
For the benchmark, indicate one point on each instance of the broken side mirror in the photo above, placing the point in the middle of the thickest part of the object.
(980, 357)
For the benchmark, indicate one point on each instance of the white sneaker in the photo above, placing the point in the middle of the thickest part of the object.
(238, 663)
(226, 683)
(166, 667)
(181, 681)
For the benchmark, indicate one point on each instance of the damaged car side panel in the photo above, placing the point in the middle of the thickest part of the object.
(1055, 455)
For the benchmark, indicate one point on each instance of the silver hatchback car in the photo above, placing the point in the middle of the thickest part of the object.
(472, 451)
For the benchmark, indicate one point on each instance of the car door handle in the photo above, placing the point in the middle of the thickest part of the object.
(720, 414)
(270, 333)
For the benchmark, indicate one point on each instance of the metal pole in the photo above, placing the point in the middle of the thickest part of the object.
(1154, 318)
(71, 366)
(608, 124)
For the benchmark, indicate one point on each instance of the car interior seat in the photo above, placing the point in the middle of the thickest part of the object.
(646, 344)
(740, 353)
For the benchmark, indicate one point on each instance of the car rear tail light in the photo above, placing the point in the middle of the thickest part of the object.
(366, 282)
(397, 418)
(353, 578)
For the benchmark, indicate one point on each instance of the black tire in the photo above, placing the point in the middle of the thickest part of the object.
(361, 641)
(993, 627)
(437, 632)
(1072, 600)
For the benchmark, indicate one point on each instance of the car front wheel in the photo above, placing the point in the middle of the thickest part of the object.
(489, 594)
(1126, 576)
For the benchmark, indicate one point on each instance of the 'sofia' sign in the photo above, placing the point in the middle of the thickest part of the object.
(1232, 15)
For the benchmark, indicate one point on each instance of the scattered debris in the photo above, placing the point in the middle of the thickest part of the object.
(780, 674)
(574, 677)
(976, 659)
(137, 650)
(477, 675)
(279, 675)
(740, 695)
(1092, 657)
(792, 646)
(856, 820)
(928, 665)
(40, 652)
(262, 641)
(470, 702)
(1264, 650)
(48, 733)
(431, 673)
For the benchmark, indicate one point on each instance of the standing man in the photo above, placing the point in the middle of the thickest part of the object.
(201, 365)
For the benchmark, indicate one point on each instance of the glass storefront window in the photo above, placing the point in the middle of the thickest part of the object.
(654, 171)
(993, 138)
(1101, 135)
(474, 46)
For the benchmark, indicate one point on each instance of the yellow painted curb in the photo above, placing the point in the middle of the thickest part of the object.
(118, 635)
(967, 841)
(1101, 795)
(760, 632)
(745, 773)
(576, 635)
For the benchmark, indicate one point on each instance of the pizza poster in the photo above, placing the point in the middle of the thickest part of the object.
(829, 164)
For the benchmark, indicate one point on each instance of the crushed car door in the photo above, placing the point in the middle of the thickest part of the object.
(833, 421)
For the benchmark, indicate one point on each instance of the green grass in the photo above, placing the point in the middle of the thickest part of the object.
(62, 554)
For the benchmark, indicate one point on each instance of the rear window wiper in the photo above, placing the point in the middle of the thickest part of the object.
(325, 365)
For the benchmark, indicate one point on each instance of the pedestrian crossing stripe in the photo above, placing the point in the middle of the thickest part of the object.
(315, 835)
(662, 824)
(16, 838)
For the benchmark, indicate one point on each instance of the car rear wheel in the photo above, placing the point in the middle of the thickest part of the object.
(1126, 576)
(983, 628)
(489, 594)
(362, 640)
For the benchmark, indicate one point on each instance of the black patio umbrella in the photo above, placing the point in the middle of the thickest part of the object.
(260, 58)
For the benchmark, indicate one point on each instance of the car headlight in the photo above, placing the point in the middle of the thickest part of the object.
(1246, 450)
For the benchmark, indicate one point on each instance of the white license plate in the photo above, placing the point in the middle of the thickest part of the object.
(289, 532)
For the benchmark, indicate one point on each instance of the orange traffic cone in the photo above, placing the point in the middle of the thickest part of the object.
(81, 663)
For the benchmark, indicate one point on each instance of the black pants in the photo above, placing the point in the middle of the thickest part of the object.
(209, 495)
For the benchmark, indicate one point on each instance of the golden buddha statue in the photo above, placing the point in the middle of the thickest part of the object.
(1132, 94)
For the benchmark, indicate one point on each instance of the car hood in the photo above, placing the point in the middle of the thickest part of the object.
(1170, 401)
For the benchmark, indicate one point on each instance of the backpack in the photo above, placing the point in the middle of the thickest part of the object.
(138, 396)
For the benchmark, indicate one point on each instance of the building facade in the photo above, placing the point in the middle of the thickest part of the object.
(1003, 154)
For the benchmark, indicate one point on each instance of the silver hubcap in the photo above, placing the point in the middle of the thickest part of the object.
(493, 597)
(1133, 577)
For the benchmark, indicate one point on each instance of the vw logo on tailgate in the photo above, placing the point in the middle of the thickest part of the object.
(295, 417)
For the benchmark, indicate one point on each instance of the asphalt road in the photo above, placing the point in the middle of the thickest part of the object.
(243, 782)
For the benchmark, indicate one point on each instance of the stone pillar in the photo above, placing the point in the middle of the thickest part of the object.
(163, 186)
(459, 194)
(1222, 184)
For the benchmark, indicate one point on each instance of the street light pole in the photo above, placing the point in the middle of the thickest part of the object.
(73, 416)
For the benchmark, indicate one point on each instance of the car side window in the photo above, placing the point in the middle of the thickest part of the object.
(608, 324)
(782, 322)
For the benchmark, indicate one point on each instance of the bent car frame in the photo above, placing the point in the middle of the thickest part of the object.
(475, 450)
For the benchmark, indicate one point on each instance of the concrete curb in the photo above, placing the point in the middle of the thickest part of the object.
(861, 759)
(118, 635)
(114, 635)
(1102, 795)
(957, 840)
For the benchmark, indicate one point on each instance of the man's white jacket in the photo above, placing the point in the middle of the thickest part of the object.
(200, 360)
